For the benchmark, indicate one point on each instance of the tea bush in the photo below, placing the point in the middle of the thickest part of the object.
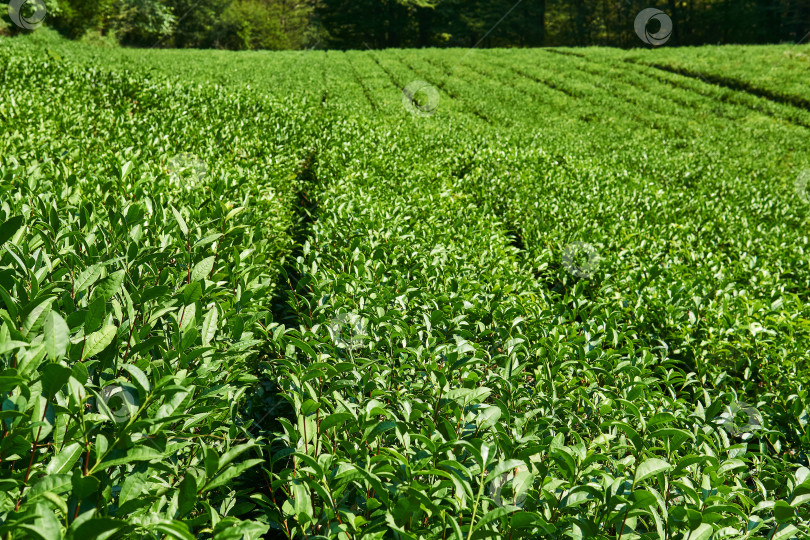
(258, 296)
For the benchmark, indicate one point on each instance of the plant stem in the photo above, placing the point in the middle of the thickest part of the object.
(477, 500)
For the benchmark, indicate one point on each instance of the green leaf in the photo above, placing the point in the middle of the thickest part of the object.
(650, 467)
(138, 453)
(209, 328)
(730, 465)
(335, 419)
(302, 500)
(525, 520)
(98, 341)
(108, 286)
(188, 317)
(202, 268)
(36, 316)
(64, 460)
(154, 292)
(180, 221)
(192, 292)
(96, 313)
(131, 488)
(211, 463)
(57, 335)
(231, 472)
(232, 454)
(497, 513)
(187, 495)
(87, 278)
(8, 484)
(57, 501)
(54, 377)
(304, 347)
(489, 416)
(9, 227)
(208, 240)
(503, 467)
(98, 527)
(190, 335)
(45, 527)
(783, 533)
(380, 428)
(56, 483)
(783, 512)
(174, 529)
(124, 170)
(703, 532)
(642, 498)
(138, 376)
(11, 306)
(9, 346)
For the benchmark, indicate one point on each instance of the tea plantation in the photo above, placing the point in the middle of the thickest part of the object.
(538, 293)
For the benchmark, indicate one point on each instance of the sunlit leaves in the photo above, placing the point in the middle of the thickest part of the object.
(125, 367)
(650, 467)
(202, 269)
(98, 341)
(56, 335)
(10, 227)
(358, 324)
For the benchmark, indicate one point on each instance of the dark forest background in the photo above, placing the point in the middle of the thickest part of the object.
(360, 24)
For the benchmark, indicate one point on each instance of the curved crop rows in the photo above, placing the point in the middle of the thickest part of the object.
(555, 294)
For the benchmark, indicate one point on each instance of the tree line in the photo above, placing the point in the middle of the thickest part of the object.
(359, 24)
